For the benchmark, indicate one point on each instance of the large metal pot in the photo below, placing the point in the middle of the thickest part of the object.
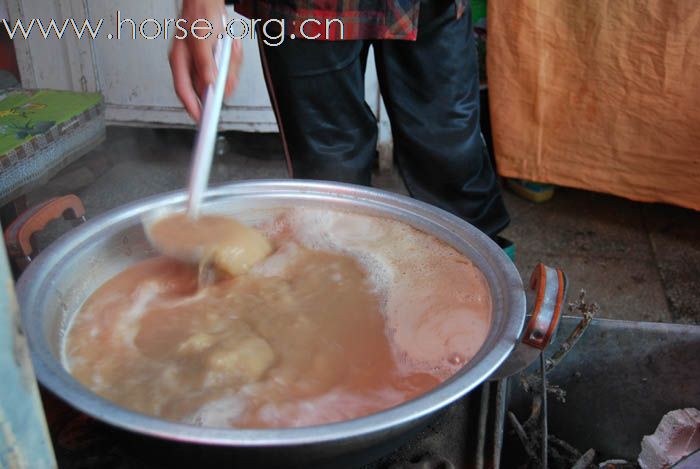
(55, 284)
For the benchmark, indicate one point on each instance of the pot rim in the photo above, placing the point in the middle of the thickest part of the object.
(32, 288)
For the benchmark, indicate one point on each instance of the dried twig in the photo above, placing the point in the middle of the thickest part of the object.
(585, 460)
(522, 436)
(535, 411)
(556, 391)
(573, 452)
(530, 433)
(580, 307)
(531, 382)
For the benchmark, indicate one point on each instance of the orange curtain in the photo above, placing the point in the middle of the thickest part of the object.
(598, 94)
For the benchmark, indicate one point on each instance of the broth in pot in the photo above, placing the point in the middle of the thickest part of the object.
(350, 315)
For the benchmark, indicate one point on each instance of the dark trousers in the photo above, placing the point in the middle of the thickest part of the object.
(431, 91)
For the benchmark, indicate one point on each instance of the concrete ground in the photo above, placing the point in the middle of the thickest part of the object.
(638, 261)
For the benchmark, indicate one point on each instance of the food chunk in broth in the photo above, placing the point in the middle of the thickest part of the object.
(349, 315)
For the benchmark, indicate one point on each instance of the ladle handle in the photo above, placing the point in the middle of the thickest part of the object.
(208, 128)
(18, 236)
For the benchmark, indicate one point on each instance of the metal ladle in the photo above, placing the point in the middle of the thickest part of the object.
(202, 154)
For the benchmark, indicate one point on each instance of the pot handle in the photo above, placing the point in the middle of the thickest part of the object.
(549, 286)
(18, 236)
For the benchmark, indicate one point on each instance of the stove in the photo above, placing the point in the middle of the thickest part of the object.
(466, 434)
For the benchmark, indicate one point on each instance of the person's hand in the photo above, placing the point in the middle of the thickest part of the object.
(192, 59)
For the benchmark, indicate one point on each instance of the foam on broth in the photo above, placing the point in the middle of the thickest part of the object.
(350, 315)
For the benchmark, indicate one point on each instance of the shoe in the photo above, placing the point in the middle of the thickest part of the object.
(507, 245)
(532, 191)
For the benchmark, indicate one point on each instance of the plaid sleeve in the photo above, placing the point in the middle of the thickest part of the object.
(341, 19)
